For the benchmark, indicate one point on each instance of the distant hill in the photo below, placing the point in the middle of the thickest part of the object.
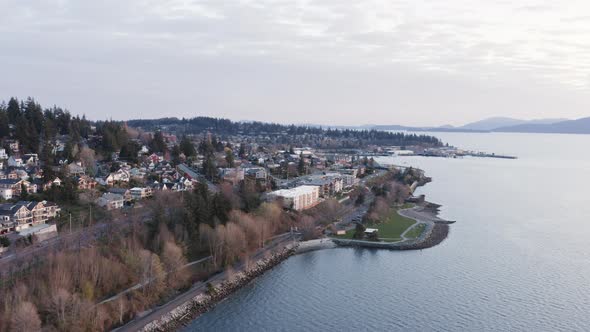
(444, 129)
(285, 134)
(580, 126)
(494, 123)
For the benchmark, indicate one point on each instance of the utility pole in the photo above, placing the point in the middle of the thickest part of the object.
(70, 223)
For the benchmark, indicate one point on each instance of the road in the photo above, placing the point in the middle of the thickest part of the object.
(201, 287)
(356, 213)
(141, 285)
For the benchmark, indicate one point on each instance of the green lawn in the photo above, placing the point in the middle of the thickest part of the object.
(393, 227)
(416, 231)
(390, 230)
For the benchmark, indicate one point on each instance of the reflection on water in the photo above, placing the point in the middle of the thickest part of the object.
(517, 259)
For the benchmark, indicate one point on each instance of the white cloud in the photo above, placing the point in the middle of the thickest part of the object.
(494, 43)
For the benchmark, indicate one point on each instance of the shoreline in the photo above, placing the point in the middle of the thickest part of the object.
(426, 213)
(181, 316)
(187, 312)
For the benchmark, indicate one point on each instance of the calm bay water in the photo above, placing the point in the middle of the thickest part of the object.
(518, 258)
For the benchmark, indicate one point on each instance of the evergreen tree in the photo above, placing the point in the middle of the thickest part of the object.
(206, 148)
(4, 124)
(68, 152)
(187, 147)
(24, 194)
(250, 196)
(221, 207)
(129, 151)
(13, 110)
(229, 158)
(176, 154)
(301, 166)
(209, 168)
(157, 144)
(242, 151)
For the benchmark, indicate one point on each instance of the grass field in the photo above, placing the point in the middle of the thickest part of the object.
(390, 230)
(393, 227)
(416, 231)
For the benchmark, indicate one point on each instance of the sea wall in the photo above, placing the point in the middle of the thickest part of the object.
(313, 245)
(202, 303)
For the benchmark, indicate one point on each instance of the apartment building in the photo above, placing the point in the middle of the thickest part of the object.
(298, 198)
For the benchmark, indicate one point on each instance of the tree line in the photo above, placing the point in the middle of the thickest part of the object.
(39, 130)
(226, 127)
(59, 290)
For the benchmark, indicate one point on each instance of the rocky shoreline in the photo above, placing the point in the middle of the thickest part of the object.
(436, 231)
(426, 213)
(202, 303)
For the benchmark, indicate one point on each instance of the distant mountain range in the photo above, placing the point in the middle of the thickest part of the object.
(492, 124)
(579, 126)
(500, 124)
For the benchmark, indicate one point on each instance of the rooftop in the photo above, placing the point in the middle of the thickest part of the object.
(297, 191)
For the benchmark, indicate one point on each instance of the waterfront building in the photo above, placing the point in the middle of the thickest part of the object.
(298, 198)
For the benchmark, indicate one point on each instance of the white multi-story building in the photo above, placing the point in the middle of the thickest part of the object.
(299, 198)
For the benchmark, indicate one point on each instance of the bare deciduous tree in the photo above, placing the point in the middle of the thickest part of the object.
(25, 318)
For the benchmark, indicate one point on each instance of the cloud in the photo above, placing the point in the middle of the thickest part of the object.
(146, 46)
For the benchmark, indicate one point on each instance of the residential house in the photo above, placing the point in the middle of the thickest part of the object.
(20, 174)
(85, 182)
(111, 201)
(11, 175)
(188, 183)
(14, 217)
(118, 176)
(25, 214)
(144, 150)
(257, 173)
(75, 169)
(137, 173)
(30, 159)
(15, 161)
(58, 147)
(16, 185)
(13, 145)
(3, 154)
(126, 193)
(232, 175)
(41, 212)
(6, 193)
(156, 157)
(140, 193)
(46, 185)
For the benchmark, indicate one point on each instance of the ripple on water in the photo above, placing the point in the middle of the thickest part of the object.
(516, 260)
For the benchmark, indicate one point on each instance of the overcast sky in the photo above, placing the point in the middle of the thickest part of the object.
(413, 62)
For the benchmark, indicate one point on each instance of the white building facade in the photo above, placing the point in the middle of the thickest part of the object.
(299, 198)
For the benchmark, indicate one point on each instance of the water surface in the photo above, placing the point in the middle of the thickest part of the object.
(516, 260)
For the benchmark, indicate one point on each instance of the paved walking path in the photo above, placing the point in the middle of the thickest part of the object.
(201, 287)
